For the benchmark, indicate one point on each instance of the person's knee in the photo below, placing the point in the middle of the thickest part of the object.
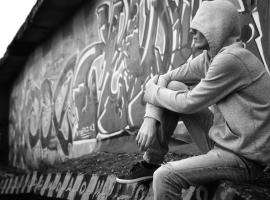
(165, 176)
(161, 174)
(166, 182)
(176, 85)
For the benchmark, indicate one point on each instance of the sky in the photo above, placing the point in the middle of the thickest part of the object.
(12, 15)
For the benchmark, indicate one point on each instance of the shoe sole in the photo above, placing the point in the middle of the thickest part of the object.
(145, 178)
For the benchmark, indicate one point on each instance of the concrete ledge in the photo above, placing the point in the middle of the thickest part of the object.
(84, 186)
(73, 186)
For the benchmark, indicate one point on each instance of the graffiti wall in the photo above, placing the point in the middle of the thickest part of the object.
(87, 80)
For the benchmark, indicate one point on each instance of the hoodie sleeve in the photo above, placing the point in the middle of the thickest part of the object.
(189, 73)
(225, 75)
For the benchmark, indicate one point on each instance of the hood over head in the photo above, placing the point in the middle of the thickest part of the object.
(218, 21)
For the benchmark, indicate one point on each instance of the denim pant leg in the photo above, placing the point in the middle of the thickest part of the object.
(198, 126)
(160, 145)
(217, 164)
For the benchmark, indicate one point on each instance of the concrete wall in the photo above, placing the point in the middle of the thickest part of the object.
(86, 81)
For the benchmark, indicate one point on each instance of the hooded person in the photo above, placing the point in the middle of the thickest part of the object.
(226, 76)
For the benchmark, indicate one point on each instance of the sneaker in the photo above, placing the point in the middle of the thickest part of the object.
(140, 171)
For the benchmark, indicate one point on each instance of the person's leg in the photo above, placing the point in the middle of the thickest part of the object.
(198, 125)
(217, 164)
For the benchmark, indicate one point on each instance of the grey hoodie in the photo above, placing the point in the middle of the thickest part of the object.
(233, 79)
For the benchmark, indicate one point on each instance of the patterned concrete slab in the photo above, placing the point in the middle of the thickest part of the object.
(73, 186)
(80, 186)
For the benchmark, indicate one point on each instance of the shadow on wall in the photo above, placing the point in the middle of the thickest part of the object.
(4, 147)
(99, 89)
(4, 123)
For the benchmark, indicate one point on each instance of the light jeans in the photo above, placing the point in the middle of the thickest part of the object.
(215, 164)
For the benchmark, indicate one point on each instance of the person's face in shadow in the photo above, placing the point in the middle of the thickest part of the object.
(199, 42)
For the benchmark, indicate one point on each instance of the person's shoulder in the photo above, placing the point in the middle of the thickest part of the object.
(229, 59)
(236, 49)
(241, 55)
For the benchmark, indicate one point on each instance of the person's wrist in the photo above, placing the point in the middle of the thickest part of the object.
(150, 120)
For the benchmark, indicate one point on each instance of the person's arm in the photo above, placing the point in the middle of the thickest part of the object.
(189, 73)
(150, 122)
(152, 111)
(225, 75)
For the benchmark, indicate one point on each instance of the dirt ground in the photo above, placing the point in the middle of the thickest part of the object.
(103, 163)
